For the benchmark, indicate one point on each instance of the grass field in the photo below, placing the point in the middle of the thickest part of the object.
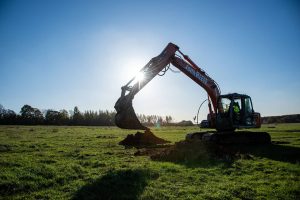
(51, 162)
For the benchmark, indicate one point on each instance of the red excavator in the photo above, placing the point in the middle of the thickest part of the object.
(226, 112)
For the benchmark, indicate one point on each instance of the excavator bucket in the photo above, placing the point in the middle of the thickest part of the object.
(126, 117)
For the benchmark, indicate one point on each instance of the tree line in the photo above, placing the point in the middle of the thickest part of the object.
(281, 119)
(29, 115)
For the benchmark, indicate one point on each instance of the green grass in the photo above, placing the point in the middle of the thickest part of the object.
(51, 162)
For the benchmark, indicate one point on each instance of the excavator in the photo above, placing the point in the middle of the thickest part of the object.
(227, 112)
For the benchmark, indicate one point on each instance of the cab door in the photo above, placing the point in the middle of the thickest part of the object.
(224, 115)
(250, 117)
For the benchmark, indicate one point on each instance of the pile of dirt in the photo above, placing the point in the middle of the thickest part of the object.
(184, 151)
(193, 151)
(143, 139)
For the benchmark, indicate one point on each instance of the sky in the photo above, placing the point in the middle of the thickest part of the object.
(60, 54)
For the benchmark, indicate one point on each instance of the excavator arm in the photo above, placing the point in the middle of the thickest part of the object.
(126, 117)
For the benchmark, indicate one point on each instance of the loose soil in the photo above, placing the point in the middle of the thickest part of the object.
(143, 139)
(191, 151)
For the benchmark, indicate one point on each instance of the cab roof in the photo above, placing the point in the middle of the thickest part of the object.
(234, 96)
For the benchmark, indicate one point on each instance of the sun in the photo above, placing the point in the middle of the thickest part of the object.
(132, 68)
(140, 77)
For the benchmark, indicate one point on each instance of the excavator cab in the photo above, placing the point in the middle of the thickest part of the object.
(236, 111)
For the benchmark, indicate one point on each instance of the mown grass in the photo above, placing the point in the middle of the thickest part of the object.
(51, 162)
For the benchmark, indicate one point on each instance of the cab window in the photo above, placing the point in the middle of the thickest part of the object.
(248, 105)
(224, 105)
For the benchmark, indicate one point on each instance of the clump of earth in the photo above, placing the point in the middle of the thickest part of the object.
(143, 139)
(190, 151)
(193, 151)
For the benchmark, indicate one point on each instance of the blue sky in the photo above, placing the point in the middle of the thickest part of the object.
(61, 54)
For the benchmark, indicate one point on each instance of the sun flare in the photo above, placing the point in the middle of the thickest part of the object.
(140, 76)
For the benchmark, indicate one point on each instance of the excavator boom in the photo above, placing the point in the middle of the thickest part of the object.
(126, 117)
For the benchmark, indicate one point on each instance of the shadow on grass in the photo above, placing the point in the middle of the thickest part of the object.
(201, 154)
(285, 131)
(123, 184)
(273, 151)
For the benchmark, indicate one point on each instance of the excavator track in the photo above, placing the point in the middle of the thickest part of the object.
(231, 137)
